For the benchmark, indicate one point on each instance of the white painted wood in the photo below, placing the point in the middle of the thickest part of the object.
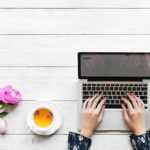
(68, 110)
(42, 83)
(74, 4)
(33, 142)
(30, 79)
(22, 57)
(59, 142)
(52, 50)
(16, 117)
(76, 21)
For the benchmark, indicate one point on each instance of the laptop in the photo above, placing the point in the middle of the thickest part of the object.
(113, 75)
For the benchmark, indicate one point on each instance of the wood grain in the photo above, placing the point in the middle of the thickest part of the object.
(74, 21)
(74, 4)
(17, 116)
(52, 50)
(59, 142)
(39, 41)
(42, 83)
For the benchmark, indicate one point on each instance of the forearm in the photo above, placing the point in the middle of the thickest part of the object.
(141, 142)
(78, 142)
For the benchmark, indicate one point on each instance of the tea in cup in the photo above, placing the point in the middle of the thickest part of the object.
(43, 117)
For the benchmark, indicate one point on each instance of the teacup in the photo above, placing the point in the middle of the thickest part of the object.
(44, 118)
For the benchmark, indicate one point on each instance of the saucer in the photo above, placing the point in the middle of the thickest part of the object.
(56, 124)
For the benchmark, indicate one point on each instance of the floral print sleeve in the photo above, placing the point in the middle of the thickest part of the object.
(141, 142)
(78, 142)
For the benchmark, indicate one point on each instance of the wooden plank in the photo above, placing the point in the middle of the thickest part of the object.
(52, 50)
(17, 114)
(74, 4)
(59, 142)
(74, 21)
(44, 83)
(68, 110)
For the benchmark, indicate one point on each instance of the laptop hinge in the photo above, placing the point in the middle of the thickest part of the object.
(117, 79)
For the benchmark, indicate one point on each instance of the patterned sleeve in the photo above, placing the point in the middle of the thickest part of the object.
(141, 142)
(78, 142)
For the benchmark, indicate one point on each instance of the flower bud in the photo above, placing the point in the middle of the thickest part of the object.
(3, 126)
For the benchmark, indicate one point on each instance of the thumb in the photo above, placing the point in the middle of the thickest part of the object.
(125, 113)
(101, 113)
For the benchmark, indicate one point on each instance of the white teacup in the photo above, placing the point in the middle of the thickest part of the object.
(47, 129)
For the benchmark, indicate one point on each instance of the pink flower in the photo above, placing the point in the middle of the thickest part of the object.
(8, 95)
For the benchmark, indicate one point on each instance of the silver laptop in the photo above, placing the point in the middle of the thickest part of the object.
(113, 75)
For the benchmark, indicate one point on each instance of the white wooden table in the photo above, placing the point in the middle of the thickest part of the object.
(39, 41)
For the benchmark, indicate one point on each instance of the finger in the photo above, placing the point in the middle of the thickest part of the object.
(139, 101)
(85, 104)
(95, 102)
(125, 113)
(129, 105)
(101, 113)
(100, 105)
(91, 101)
(133, 100)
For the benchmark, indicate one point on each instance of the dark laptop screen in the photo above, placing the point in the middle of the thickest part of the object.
(114, 65)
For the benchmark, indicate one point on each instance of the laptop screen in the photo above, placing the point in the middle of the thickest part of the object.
(113, 65)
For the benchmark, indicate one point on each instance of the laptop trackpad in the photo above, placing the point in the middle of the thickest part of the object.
(113, 120)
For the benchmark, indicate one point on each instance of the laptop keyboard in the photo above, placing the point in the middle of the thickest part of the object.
(114, 91)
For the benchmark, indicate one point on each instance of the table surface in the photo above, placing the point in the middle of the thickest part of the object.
(39, 41)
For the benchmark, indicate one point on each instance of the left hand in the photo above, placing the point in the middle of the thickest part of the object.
(92, 114)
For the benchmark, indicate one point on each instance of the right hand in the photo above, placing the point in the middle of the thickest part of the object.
(134, 114)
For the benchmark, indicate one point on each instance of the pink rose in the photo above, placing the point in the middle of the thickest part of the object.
(8, 95)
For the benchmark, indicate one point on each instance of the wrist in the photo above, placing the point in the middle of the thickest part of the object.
(139, 132)
(87, 133)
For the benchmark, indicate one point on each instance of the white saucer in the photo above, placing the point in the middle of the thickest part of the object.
(56, 124)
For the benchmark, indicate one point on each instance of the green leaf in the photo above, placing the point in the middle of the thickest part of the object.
(1, 103)
(3, 114)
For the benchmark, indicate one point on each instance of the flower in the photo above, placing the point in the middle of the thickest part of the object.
(8, 95)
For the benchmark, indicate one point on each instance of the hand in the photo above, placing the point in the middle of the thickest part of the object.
(92, 114)
(134, 114)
